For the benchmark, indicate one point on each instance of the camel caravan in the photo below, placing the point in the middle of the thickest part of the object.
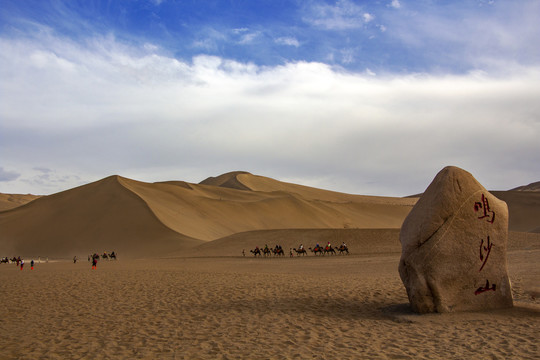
(104, 256)
(318, 250)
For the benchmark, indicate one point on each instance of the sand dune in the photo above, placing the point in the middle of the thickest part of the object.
(209, 212)
(101, 216)
(535, 186)
(10, 201)
(524, 209)
(139, 219)
(237, 209)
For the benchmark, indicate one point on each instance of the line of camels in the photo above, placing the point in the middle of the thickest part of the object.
(301, 251)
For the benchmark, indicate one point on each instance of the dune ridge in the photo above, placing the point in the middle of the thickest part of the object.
(11, 201)
(99, 216)
(535, 186)
(209, 212)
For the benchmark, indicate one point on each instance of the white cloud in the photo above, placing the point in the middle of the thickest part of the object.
(290, 41)
(127, 111)
(471, 36)
(208, 39)
(395, 4)
(368, 17)
(345, 14)
(249, 37)
(240, 30)
(347, 56)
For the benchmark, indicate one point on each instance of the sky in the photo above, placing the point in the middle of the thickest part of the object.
(362, 97)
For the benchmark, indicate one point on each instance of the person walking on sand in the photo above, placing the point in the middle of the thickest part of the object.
(32, 264)
(22, 264)
(75, 259)
(94, 263)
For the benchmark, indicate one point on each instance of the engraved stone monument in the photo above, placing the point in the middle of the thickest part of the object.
(454, 247)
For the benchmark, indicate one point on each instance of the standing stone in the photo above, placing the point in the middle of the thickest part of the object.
(454, 247)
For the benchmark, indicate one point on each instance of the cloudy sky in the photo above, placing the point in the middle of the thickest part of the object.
(364, 97)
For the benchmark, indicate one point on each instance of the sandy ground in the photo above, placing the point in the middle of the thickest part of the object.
(342, 307)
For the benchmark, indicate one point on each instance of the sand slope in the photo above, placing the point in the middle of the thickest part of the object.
(209, 212)
(142, 219)
(101, 216)
(535, 186)
(10, 201)
(359, 241)
(524, 209)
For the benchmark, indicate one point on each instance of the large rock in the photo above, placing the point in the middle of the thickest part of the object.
(454, 247)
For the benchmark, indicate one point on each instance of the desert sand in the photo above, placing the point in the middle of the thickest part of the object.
(181, 288)
(340, 307)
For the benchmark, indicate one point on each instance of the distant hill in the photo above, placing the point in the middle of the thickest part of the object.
(531, 187)
(10, 201)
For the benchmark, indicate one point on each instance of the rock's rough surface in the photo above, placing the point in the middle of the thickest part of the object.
(454, 247)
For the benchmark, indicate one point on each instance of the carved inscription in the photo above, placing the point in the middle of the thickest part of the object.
(485, 250)
(486, 245)
(485, 211)
(485, 288)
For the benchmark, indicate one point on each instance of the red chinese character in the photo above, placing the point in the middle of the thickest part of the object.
(487, 249)
(487, 213)
(485, 288)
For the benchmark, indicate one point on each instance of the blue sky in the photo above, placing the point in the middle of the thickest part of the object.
(367, 97)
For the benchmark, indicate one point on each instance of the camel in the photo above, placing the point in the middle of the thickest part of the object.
(266, 252)
(300, 251)
(278, 251)
(256, 252)
(329, 250)
(317, 250)
(343, 249)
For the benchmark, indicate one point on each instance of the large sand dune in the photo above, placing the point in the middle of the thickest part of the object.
(143, 219)
(101, 216)
(223, 214)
